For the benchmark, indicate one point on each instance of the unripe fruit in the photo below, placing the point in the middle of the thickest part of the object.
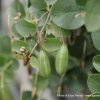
(61, 60)
(44, 62)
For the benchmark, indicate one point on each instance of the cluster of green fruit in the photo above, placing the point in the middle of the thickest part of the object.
(61, 61)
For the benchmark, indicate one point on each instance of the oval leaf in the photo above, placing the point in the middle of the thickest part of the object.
(5, 45)
(66, 14)
(96, 62)
(3, 61)
(51, 44)
(39, 4)
(13, 9)
(94, 83)
(92, 18)
(18, 44)
(96, 39)
(25, 28)
(16, 34)
(50, 2)
(94, 96)
(34, 62)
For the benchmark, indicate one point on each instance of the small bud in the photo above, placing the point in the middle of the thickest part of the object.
(16, 18)
(82, 14)
(19, 14)
(36, 20)
(22, 49)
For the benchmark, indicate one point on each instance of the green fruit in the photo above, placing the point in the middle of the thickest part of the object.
(44, 62)
(61, 61)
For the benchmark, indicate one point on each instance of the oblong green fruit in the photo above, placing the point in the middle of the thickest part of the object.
(44, 62)
(61, 60)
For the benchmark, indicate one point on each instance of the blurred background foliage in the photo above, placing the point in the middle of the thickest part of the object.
(77, 21)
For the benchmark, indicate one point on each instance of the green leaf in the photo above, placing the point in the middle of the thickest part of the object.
(96, 39)
(42, 83)
(92, 18)
(96, 62)
(39, 4)
(51, 44)
(9, 75)
(34, 13)
(94, 96)
(50, 2)
(34, 62)
(94, 83)
(3, 60)
(16, 34)
(15, 64)
(13, 9)
(5, 45)
(5, 93)
(18, 44)
(25, 28)
(10, 68)
(26, 95)
(55, 30)
(67, 15)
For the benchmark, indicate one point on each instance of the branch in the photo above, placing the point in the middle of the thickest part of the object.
(44, 25)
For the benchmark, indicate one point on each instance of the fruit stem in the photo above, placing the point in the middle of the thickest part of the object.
(60, 84)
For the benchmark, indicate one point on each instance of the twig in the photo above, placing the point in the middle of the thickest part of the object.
(21, 92)
(18, 5)
(59, 85)
(44, 25)
(10, 29)
(38, 33)
(84, 49)
(33, 49)
(42, 16)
